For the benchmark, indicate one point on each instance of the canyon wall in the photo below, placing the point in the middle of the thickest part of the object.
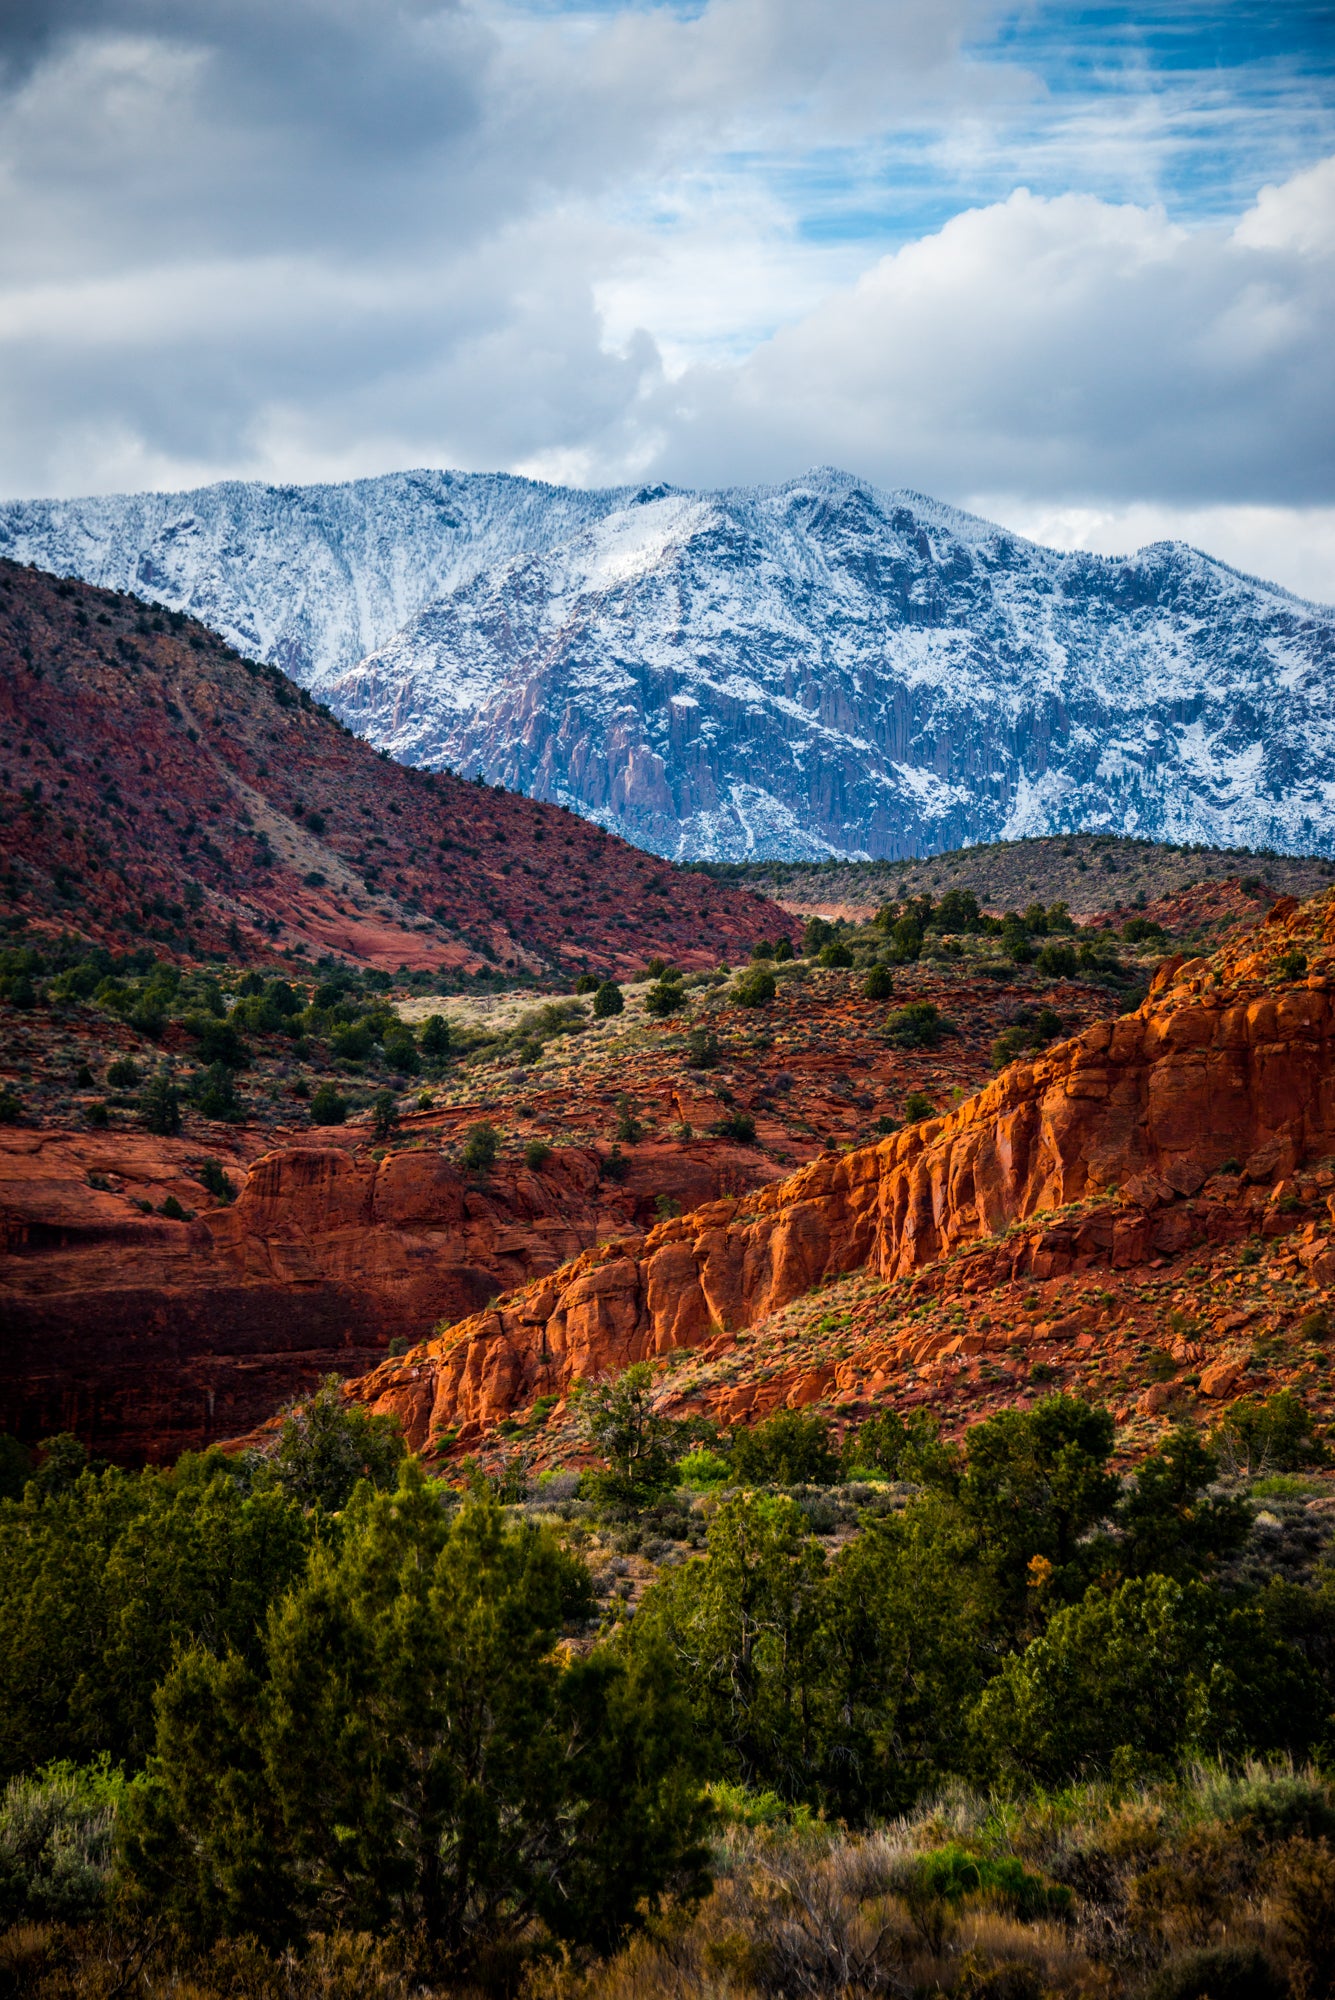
(148, 1335)
(1229, 1065)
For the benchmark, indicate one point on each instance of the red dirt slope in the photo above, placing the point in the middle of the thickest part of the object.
(155, 786)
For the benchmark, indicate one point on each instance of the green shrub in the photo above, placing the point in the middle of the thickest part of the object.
(328, 1106)
(816, 934)
(917, 1106)
(122, 1074)
(536, 1154)
(215, 1094)
(160, 1105)
(1056, 961)
(11, 1106)
(703, 1468)
(616, 1166)
(919, 1025)
(482, 1143)
(608, 1000)
(754, 988)
(15, 1467)
(1276, 1435)
(98, 1115)
(666, 997)
(435, 1038)
(702, 1048)
(56, 1832)
(906, 940)
(1143, 930)
(215, 1181)
(879, 983)
(787, 1449)
(173, 1210)
(384, 1116)
(836, 955)
(588, 982)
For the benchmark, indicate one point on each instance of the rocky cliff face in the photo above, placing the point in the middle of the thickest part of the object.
(1228, 1067)
(149, 1336)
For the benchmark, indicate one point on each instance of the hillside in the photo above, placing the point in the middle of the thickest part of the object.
(1097, 875)
(1144, 1209)
(792, 671)
(155, 787)
(165, 1288)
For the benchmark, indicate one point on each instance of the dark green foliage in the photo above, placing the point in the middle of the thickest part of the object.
(755, 987)
(641, 1446)
(160, 1105)
(536, 1154)
(410, 1754)
(905, 940)
(588, 982)
(762, 948)
(1169, 1524)
(1276, 1435)
(401, 1050)
(1140, 1677)
(11, 1106)
(15, 1467)
(123, 1074)
(616, 1167)
(482, 1143)
(738, 1125)
(1218, 1972)
(1143, 930)
(666, 997)
(435, 1037)
(103, 1577)
(879, 983)
(98, 1115)
(214, 1094)
(957, 911)
(1056, 961)
(327, 1444)
(608, 1000)
(816, 934)
(328, 1106)
(783, 952)
(787, 1449)
(217, 1041)
(890, 1445)
(218, 1183)
(173, 1210)
(917, 1106)
(919, 1025)
(836, 955)
(702, 1048)
(384, 1116)
(1034, 1483)
(628, 1127)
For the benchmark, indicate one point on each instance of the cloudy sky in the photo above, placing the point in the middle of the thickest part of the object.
(1073, 266)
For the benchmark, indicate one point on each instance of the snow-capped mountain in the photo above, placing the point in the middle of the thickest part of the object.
(812, 668)
(309, 578)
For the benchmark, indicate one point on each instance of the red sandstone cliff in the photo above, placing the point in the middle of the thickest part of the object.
(148, 1336)
(1231, 1061)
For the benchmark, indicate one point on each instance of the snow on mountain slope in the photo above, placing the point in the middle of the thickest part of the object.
(817, 667)
(823, 668)
(307, 577)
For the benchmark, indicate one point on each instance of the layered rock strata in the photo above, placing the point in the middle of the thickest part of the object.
(1230, 1063)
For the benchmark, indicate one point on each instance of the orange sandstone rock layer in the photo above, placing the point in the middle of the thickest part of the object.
(1229, 1061)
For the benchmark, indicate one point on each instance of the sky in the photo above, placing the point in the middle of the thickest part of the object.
(1071, 266)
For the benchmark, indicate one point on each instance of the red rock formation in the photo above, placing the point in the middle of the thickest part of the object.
(148, 1335)
(1230, 1060)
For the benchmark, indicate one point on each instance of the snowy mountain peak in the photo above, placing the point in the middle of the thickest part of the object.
(816, 666)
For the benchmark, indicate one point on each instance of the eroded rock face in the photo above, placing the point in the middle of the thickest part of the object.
(148, 1336)
(1231, 1060)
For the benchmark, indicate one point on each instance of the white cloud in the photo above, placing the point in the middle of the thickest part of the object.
(340, 236)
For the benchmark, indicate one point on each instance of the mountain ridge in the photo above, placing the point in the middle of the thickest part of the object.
(807, 668)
